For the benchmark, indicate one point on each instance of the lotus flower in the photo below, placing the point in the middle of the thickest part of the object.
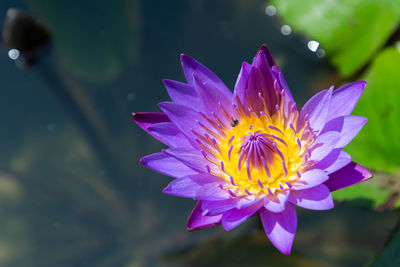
(253, 152)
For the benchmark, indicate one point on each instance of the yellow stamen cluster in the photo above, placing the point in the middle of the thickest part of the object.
(260, 153)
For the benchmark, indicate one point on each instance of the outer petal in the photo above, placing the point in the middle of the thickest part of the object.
(344, 99)
(169, 134)
(335, 160)
(199, 221)
(317, 110)
(348, 126)
(167, 165)
(280, 227)
(186, 120)
(323, 145)
(188, 186)
(219, 206)
(234, 217)
(310, 179)
(316, 198)
(191, 66)
(212, 191)
(352, 174)
(182, 93)
(147, 119)
(192, 158)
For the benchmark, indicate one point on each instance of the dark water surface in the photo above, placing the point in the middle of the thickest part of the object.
(72, 191)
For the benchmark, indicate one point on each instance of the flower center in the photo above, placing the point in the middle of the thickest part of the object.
(259, 153)
(257, 150)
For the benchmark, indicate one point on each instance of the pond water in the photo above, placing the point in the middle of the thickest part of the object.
(72, 190)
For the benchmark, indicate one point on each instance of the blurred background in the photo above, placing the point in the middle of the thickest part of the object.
(72, 191)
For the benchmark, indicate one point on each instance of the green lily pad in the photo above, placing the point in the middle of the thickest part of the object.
(351, 31)
(377, 146)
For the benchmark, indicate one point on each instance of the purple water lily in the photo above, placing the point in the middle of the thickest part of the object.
(253, 152)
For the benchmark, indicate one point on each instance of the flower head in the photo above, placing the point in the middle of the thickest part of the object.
(253, 152)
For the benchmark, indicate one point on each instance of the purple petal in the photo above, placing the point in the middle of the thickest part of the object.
(212, 191)
(169, 134)
(192, 158)
(198, 221)
(277, 202)
(234, 217)
(192, 67)
(167, 165)
(219, 206)
(335, 160)
(348, 126)
(280, 227)
(316, 198)
(268, 55)
(182, 187)
(246, 201)
(147, 119)
(344, 99)
(185, 119)
(261, 80)
(279, 76)
(351, 174)
(317, 110)
(213, 100)
(188, 186)
(182, 93)
(241, 83)
(323, 145)
(310, 179)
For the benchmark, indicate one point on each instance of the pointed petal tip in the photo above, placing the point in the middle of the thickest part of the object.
(185, 58)
(142, 161)
(172, 83)
(362, 82)
(280, 228)
(349, 175)
(267, 53)
(197, 221)
(285, 250)
(136, 116)
(167, 81)
(165, 189)
(164, 104)
(264, 48)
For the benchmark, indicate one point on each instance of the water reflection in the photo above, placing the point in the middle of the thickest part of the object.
(286, 30)
(13, 54)
(270, 10)
(313, 45)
